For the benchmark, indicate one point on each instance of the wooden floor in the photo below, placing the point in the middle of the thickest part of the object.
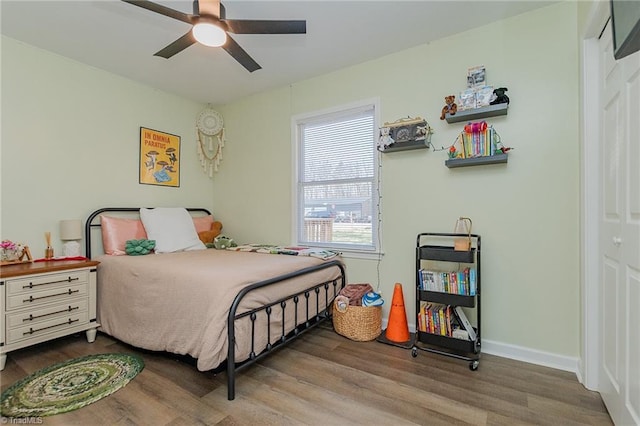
(325, 379)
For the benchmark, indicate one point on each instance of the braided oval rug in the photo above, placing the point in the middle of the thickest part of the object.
(69, 385)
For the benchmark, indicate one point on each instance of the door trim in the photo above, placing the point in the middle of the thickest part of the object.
(588, 368)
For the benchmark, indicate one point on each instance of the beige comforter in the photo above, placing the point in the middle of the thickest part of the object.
(179, 302)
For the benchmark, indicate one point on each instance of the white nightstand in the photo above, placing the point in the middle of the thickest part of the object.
(41, 301)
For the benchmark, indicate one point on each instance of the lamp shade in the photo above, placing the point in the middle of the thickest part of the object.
(71, 229)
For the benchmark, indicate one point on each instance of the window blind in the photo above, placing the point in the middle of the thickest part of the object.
(336, 181)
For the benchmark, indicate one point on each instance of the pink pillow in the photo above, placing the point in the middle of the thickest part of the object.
(116, 231)
(203, 223)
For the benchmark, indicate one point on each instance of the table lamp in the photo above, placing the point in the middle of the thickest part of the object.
(71, 234)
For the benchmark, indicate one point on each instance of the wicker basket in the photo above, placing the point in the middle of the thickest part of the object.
(359, 323)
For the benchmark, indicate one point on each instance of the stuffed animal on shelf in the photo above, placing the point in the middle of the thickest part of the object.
(207, 236)
(501, 97)
(450, 108)
(384, 140)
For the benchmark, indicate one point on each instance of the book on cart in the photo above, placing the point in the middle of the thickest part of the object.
(464, 322)
(454, 282)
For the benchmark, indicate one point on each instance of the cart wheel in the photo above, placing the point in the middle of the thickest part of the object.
(414, 352)
(473, 365)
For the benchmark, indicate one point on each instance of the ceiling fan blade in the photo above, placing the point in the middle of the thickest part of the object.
(209, 7)
(177, 46)
(240, 55)
(162, 10)
(252, 26)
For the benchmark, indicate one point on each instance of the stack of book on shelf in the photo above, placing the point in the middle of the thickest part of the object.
(477, 140)
(455, 282)
(445, 320)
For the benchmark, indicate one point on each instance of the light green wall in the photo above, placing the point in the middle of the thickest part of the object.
(527, 211)
(70, 144)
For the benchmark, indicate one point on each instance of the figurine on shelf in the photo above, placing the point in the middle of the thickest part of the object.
(500, 96)
(450, 108)
(453, 153)
(385, 140)
(501, 149)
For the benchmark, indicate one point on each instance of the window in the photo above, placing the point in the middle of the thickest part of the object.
(336, 202)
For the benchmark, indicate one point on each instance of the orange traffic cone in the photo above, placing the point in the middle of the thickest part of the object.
(397, 327)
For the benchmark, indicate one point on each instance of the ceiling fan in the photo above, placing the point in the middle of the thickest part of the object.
(210, 27)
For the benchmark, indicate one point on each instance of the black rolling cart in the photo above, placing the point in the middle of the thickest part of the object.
(446, 281)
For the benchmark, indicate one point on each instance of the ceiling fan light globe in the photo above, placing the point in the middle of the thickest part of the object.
(209, 34)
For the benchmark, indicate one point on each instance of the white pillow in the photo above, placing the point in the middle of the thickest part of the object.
(172, 228)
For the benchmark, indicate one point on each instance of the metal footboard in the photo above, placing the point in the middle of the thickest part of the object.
(314, 316)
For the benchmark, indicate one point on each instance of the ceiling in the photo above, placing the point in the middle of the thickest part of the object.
(122, 38)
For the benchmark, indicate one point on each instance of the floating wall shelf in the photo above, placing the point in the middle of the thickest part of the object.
(404, 146)
(476, 161)
(478, 113)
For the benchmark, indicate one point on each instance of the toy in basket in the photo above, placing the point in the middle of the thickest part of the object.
(357, 313)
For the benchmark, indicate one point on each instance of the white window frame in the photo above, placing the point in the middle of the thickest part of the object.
(368, 252)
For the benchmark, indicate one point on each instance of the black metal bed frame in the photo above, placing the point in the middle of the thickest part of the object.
(314, 316)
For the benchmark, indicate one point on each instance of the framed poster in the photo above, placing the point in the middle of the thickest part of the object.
(159, 158)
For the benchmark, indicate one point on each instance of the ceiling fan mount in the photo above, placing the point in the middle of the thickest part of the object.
(211, 13)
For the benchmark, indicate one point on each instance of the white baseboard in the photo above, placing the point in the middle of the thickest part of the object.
(521, 353)
(532, 356)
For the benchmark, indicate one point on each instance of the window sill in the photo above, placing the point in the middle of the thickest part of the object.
(345, 252)
(359, 254)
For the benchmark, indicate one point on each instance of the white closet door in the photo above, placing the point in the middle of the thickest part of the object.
(619, 238)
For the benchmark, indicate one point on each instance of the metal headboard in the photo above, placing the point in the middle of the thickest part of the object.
(89, 225)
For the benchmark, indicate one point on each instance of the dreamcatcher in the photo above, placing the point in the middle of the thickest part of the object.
(210, 130)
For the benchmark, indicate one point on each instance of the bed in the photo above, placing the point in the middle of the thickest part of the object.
(227, 309)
